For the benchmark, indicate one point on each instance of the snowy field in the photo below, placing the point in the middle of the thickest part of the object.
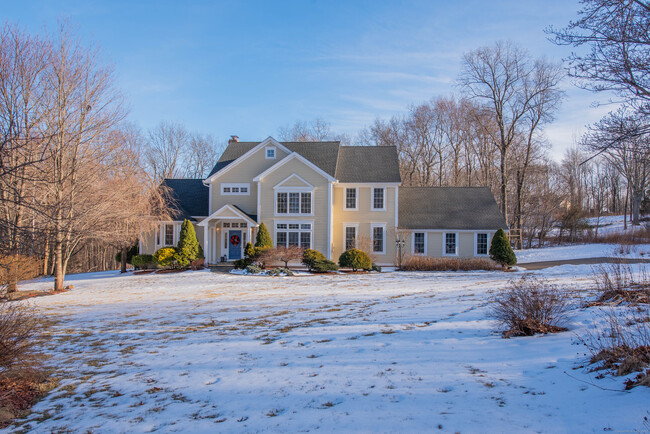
(581, 251)
(389, 352)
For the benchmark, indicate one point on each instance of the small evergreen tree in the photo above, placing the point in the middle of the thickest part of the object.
(500, 250)
(263, 239)
(249, 251)
(188, 248)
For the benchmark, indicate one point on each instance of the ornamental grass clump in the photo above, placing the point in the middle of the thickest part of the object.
(529, 306)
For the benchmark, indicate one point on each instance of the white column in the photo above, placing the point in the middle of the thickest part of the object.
(206, 247)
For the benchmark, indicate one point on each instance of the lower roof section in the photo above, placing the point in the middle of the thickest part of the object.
(449, 208)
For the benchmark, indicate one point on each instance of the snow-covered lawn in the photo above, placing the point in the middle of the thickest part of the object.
(579, 251)
(389, 352)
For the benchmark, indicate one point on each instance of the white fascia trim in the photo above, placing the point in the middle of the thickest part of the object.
(447, 230)
(369, 184)
(215, 215)
(268, 141)
(444, 236)
(356, 197)
(290, 157)
(307, 187)
(330, 198)
(426, 242)
(396, 206)
(259, 201)
(372, 237)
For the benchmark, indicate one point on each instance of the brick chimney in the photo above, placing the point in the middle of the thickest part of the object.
(233, 139)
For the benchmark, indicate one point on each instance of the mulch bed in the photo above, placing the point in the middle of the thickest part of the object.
(19, 392)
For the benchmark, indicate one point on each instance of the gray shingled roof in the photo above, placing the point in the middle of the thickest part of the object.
(368, 164)
(461, 208)
(190, 196)
(345, 163)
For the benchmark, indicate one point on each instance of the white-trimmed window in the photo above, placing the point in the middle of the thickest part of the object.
(379, 199)
(482, 243)
(419, 243)
(450, 244)
(351, 199)
(288, 234)
(166, 234)
(269, 152)
(378, 232)
(350, 236)
(235, 189)
(294, 203)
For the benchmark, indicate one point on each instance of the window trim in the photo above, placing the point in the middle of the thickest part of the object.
(266, 152)
(426, 236)
(372, 199)
(373, 226)
(235, 185)
(356, 234)
(476, 244)
(356, 199)
(444, 244)
(299, 230)
(160, 235)
(288, 190)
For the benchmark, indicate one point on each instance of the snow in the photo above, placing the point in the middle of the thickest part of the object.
(578, 251)
(383, 352)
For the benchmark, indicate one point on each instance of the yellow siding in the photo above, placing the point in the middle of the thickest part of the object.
(320, 205)
(364, 217)
(434, 248)
(244, 172)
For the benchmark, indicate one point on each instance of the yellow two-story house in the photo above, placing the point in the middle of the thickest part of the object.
(328, 197)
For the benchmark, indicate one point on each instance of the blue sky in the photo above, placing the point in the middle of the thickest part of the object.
(251, 67)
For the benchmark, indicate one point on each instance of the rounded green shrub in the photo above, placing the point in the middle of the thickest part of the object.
(355, 259)
(323, 266)
(500, 250)
(310, 256)
(165, 257)
(143, 262)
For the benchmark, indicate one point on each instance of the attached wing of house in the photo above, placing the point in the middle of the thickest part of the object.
(328, 197)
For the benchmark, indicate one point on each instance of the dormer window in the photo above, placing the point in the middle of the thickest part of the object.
(270, 152)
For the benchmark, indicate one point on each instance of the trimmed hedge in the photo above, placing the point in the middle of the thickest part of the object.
(355, 259)
(143, 262)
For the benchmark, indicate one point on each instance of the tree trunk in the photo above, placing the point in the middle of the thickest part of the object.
(58, 262)
(504, 182)
(123, 261)
(636, 204)
(12, 281)
(46, 255)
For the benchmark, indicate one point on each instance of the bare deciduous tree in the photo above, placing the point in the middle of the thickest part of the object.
(616, 32)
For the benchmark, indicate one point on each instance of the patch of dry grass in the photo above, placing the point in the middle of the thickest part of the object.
(427, 263)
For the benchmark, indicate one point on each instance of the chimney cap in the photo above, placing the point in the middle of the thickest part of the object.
(234, 139)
